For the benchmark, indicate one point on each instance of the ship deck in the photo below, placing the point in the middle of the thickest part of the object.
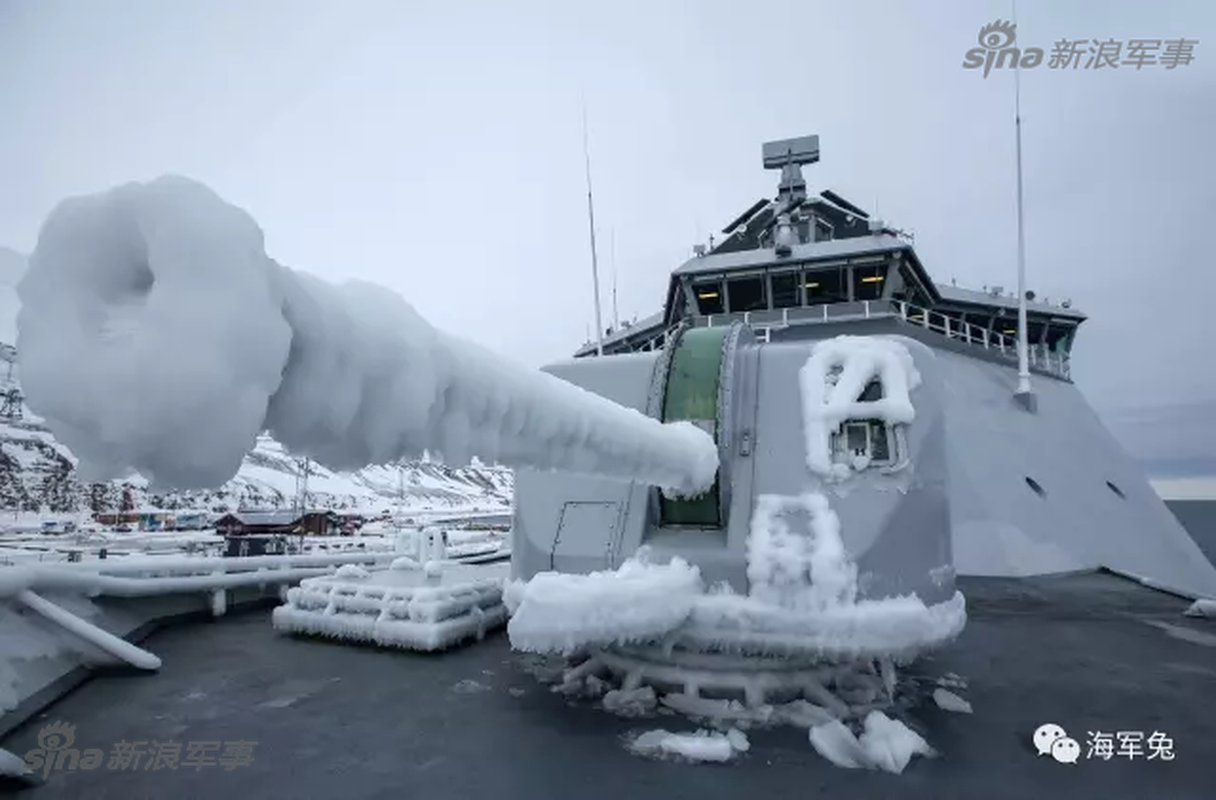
(1089, 652)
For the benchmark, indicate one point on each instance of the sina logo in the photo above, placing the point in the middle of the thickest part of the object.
(997, 49)
(55, 751)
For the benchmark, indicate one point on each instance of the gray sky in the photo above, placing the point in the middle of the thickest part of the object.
(438, 151)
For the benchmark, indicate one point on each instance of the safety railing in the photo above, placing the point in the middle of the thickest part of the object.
(764, 322)
(144, 576)
(1039, 356)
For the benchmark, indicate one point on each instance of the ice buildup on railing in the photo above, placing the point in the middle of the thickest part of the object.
(156, 335)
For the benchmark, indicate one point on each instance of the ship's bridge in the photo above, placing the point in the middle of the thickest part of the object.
(790, 265)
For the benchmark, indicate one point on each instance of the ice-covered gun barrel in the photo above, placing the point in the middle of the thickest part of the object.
(156, 335)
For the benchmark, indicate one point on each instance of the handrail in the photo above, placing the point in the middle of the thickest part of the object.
(115, 646)
(1056, 364)
(998, 344)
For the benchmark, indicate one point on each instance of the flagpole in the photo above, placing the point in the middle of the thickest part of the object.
(595, 267)
(1023, 333)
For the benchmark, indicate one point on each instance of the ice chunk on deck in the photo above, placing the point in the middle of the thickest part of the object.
(165, 290)
(408, 609)
(640, 602)
(1202, 608)
(948, 701)
(702, 745)
(885, 744)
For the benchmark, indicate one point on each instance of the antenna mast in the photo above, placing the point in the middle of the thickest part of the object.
(616, 318)
(595, 267)
(1024, 389)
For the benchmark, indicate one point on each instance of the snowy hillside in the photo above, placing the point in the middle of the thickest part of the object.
(36, 472)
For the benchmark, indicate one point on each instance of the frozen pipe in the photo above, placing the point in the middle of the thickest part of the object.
(155, 335)
(168, 565)
(119, 648)
(95, 584)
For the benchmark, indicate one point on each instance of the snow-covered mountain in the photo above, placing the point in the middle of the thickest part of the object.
(38, 473)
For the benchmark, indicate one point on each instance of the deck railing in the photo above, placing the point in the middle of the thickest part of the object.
(1041, 358)
(1039, 355)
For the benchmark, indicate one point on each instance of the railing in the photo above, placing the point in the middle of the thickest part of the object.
(997, 344)
(1038, 354)
(143, 576)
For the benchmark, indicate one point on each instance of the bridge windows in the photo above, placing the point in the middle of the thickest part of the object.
(868, 282)
(1059, 340)
(824, 286)
(710, 299)
(747, 294)
(785, 290)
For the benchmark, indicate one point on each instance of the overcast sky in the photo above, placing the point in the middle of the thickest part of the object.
(437, 149)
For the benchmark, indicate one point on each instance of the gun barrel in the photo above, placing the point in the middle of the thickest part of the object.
(157, 336)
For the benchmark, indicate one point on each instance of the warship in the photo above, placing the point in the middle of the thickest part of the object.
(815, 458)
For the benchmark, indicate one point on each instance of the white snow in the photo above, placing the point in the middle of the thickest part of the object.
(949, 701)
(398, 608)
(702, 745)
(631, 702)
(12, 765)
(834, 378)
(893, 626)
(803, 600)
(351, 571)
(884, 744)
(1199, 608)
(404, 563)
(790, 569)
(638, 602)
(13, 579)
(164, 291)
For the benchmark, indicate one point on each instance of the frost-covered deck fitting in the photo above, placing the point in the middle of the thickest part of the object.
(406, 607)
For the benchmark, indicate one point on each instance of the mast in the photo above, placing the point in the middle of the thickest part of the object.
(595, 267)
(616, 317)
(1023, 334)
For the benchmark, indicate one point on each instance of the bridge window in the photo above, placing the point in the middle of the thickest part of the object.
(785, 290)
(747, 294)
(709, 298)
(868, 281)
(823, 230)
(1059, 339)
(824, 286)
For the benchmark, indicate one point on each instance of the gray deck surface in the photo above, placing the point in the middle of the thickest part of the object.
(1089, 652)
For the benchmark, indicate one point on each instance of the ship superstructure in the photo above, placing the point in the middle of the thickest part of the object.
(789, 265)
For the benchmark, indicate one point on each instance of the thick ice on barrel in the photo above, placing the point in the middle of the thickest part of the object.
(156, 335)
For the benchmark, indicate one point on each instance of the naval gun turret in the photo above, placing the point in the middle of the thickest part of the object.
(708, 501)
